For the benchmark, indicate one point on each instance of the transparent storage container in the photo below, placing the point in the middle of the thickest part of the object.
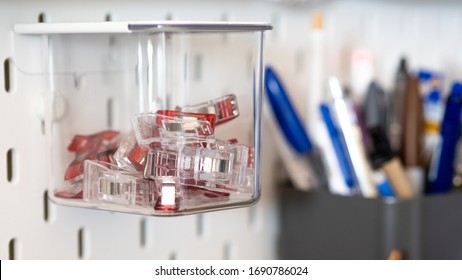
(155, 118)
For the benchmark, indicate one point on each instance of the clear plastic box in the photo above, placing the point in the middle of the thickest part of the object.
(155, 118)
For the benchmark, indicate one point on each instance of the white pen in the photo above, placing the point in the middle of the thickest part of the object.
(352, 136)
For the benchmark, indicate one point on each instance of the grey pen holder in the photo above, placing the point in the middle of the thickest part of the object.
(319, 225)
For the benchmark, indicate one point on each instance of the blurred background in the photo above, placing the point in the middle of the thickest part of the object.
(378, 180)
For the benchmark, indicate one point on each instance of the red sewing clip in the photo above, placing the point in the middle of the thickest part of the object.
(211, 118)
(225, 108)
(154, 131)
(130, 155)
(99, 146)
(76, 167)
(168, 193)
(101, 141)
(105, 182)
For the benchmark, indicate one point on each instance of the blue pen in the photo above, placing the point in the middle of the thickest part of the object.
(450, 133)
(292, 127)
(285, 114)
(339, 146)
(384, 186)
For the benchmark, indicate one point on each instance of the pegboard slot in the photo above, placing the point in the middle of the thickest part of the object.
(110, 113)
(11, 165)
(80, 243)
(45, 206)
(227, 248)
(252, 216)
(42, 17)
(42, 126)
(12, 254)
(108, 17)
(113, 49)
(198, 67)
(200, 225)
(77, 81)
(186, 65)
(8, 75)
(143, 233)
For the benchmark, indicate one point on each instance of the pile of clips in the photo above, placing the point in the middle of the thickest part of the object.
(171, 160)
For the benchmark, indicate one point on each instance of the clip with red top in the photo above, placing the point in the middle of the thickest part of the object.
(249, 177)
(75, 173)
(154, 131)
(172, 195)
(71, 192)
(222, 144)
(205, 167)
(189, 163)
(75, 169)
(211, 118)
(101, 141)
(130, 155)
(225, 108)
(205, 164)
(169, 193)
(99, 146)
(107, 183)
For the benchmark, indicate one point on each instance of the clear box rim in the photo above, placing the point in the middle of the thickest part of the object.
(139, 27)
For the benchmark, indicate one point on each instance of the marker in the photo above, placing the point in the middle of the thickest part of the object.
(412, 125)
(395, 107)
(443, 166)
(291, 126)
(382, 157)
(375, 107)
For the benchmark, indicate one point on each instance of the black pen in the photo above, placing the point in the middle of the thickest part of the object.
(383, 157)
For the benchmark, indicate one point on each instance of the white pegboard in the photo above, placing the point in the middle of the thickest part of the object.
(428, 32)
